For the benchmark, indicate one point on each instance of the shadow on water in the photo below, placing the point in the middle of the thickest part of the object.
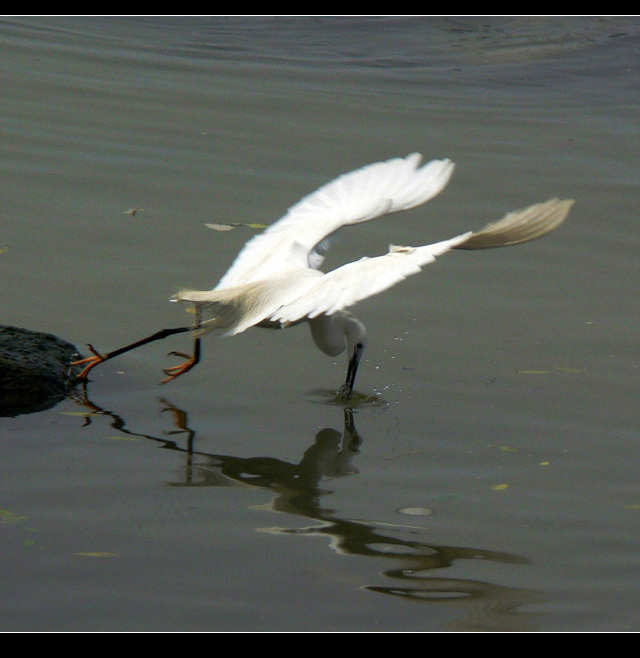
(298, 489)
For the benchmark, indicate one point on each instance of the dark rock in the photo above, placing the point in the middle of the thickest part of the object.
(35, 371)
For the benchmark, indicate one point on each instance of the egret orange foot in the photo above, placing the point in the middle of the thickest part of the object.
(91, 361)
(176, 371)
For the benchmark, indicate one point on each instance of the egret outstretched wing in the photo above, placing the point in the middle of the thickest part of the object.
(301, 238)
(345, 286)
(295, 295)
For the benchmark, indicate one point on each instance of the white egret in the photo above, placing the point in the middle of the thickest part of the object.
(275, 281)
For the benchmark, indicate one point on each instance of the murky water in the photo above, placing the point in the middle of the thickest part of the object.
(495, 484)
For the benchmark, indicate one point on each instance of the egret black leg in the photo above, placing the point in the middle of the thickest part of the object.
(92, 361)
(191, 360)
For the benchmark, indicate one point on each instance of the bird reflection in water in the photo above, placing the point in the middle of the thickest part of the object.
(405, 562)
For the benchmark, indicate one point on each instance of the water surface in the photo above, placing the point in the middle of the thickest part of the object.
(493, 488)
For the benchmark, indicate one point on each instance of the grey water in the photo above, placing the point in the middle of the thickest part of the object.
(493, 485)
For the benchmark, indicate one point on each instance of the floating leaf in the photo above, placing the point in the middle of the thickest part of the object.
(534, 372)
(3, 250)
(504, 448)
(83, 414)
(220, 227)
(7, 516)
(230, 227)
(96, 554)
(133, 211)
(499, 487)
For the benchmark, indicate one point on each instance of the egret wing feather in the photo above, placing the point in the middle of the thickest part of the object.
(345, 286)
(235, 309)
(521, 225)
(302, 236)
(353, 282)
